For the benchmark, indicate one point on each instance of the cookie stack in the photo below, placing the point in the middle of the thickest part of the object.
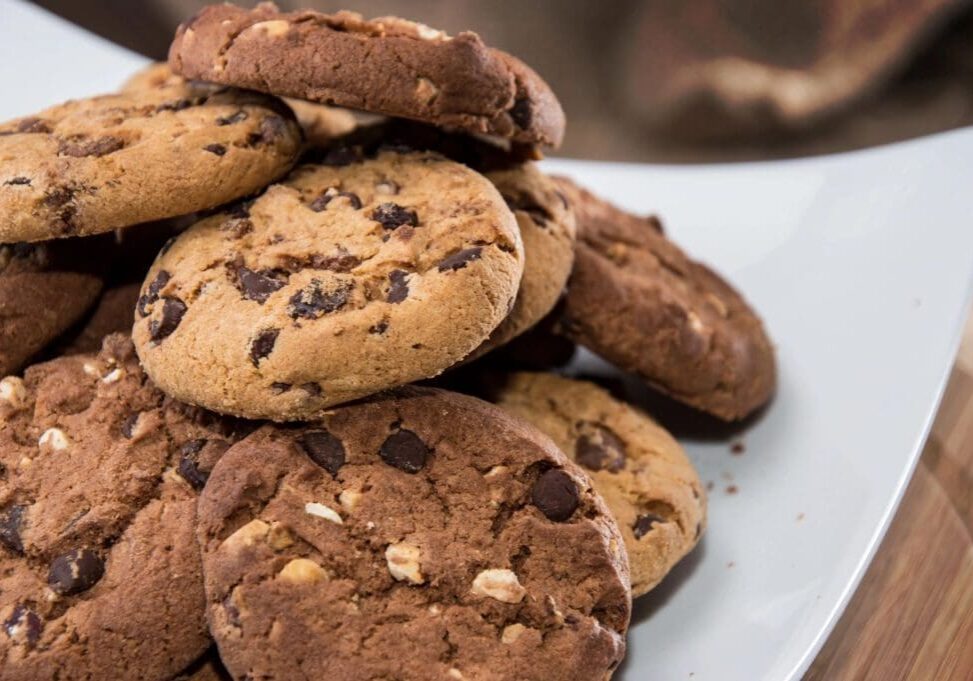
(251, 462)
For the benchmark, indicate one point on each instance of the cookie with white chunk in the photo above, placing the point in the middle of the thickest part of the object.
(99, 574)
(418, 535)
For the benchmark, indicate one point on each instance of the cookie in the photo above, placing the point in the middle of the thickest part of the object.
(339, 282)
(321, 124)
(387, 66)
(638, 301)
(207, 668)
(419, 535)
(100, 576)
(93, 165)
(650, 486)
(113, 313)
(44, 289)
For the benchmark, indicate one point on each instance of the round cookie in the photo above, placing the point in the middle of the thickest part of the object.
(321, 124)
(636, 299)
(44, 289)
(93, 165)
(643, 475)
(112, 314)
(100, 576)
(385, 66)
(419, 535)
(339, 282)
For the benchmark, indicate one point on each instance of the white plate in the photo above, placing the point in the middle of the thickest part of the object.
(861, 265)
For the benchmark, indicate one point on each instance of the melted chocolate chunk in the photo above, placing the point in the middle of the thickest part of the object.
(23, 626)
(644, 523)
(392, 215)
(398, 286)
(18, 181)
(263, 345)
(11, 521)
(598, 448)
(313, 302)
(128, 425)
(75, 571)
(173, 310)
(257, 286)
(324, 449)
(458, 260)
(80, 146)
(217, 149)
(151, 294)
(189, 463)
(404, 450)
(555, 495)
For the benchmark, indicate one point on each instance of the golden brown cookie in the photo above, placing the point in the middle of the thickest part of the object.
(420, 535)
(643, 474)
(386, 66)
(339, 282)
(92, 165)
(638, 301)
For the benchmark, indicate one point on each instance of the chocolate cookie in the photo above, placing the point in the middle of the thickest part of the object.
(643, 474)
(387, 66)
(44, 289)
(419, 535)
(337, 283)
(113, 313)
(99, 573)
(93, 165)
(638, 301)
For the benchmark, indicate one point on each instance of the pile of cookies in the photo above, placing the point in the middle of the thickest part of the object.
(227, 290)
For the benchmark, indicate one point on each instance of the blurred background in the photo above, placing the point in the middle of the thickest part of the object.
(686, 80)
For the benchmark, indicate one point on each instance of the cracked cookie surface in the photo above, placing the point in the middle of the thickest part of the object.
(100, 575)
(420, 534)
(341, 281)
(387, 66)
(638, 301)
(93, 165)
(643, 474)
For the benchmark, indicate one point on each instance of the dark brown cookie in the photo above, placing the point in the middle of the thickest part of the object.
(99, 571)
(44, 289)
(386, 66)
(636, 299)
(114, 313)
(419, 535)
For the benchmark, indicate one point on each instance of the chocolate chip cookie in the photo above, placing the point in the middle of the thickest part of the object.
(638, 301)
(418, 535)
(44, 289)
(100, 575)
(341, 281)
(93, 165)
(386, 66)
(644, 476)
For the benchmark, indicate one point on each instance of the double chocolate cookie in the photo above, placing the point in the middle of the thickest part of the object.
(643, 474)
(418, 535)
(636, 299)
(93, 165)
(385, 66)
(352, 276)
(99, 572)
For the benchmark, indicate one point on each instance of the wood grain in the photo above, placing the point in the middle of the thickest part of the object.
(912, 616)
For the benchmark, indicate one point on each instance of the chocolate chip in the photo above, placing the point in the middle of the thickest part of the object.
(128, 425)
(644, 523)
(392, 215)
(379, 328)
(237, 227)
(80, 146)
(151, 294)
(398, 286)
(312, 389)
(521, 113)
(263, 345)
(555, 495)
(598, 448)
(24, 626)
(325, 450)
(217, 149)
(33, 125)
(404, 450)
(343, 261)
(176, 105)
(257, 286)
(189, 464)
(11, 520)
(75, 571)
(235, 117)
(312, 302)
(280, 387)
(173, 310)
(320, 203)
(18, 181)
(458, 260)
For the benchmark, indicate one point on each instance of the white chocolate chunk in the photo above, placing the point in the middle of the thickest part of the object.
(303, 571)
(274, 28)
(403, 562)
(322, 511)
(13, 392)
(55, 439)
(91, 369)
(499, 584)
(512, 632)
(248, 535)
(349, 499)
(279, 537)
(455, 673)
(114, 375)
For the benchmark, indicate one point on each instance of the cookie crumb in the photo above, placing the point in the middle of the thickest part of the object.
(732, 489)
(737, 448)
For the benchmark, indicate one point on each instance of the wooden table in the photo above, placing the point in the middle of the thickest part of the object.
(912, 616)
